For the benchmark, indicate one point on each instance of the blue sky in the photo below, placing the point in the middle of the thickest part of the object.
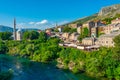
(45, 13)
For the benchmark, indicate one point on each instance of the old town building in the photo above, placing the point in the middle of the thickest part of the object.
(117, 20)
(107, 39)
(88, 41)
(74, 25)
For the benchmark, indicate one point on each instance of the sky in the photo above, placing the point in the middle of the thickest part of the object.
(42, 14)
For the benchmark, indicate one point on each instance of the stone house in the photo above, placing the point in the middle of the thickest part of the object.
(101, 29)
(111, 28)
(79, 30)
(116, 27)
(73, 37)
(107, 39)
(88, 41)
(108, 29)
(93, 27)
(117, 20)
(65, 35)
(74, 25)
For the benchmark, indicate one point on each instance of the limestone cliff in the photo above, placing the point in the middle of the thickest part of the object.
(110, 11)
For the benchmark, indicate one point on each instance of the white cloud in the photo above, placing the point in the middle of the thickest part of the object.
(31, 23)
(38, 23)
(42, 22)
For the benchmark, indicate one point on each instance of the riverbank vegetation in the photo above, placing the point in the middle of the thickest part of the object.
(104, 63)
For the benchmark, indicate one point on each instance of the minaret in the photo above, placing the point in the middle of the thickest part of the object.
(56, 25)
(15, 29)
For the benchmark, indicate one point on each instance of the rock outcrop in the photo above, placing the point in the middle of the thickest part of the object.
(110, 11)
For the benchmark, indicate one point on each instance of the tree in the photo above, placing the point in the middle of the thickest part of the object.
(85, 32)
(108, 20)
(43, 37)
(30, 49)
(117, 47)
(30, 35)
(5, 35)
(3, 48)
(117, 41)
(66, 29)
(73, 30)
(80, 38)
(48, 56)
(69, 29)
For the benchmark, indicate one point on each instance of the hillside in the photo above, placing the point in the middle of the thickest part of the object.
(110, 11)
(83, 20)
(105, 12)
(5, 28)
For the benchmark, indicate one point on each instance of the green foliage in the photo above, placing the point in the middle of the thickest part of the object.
(35, 49)
(66, 29)
(100, 63)
(43, 37)
(73, 30)
(5, 35)
(85, 32)
(30, 35)
(109, 19)
(80, 37)
(69, 29)
(3, 48)
(117, 72)
(117, 47)
(117, 15)
(56, 30)
(104, 63)
(117, 41)
(99, 34)
(83, 20)
(75, 70)
(54, 41)
(48, 56)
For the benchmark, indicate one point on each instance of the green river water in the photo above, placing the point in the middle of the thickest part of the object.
(38, 71)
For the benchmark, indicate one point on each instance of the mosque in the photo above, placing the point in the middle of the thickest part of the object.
(17, 33)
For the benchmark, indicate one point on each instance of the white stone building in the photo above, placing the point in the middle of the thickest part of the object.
(19, 35)
(107, 39)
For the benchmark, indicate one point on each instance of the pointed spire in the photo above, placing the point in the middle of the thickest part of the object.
(56, 24)
(14, 29)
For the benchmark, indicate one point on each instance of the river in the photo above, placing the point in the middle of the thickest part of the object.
(38, 71)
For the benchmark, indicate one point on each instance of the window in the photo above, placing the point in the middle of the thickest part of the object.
(106, 41)
(112, 42)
